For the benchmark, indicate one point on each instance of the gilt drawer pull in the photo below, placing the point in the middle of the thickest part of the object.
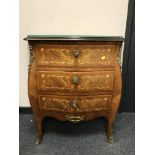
(75, 80)
(75, 119)
(74, 103)
(76, 53)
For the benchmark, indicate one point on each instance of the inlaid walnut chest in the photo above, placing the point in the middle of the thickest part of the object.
(74, 78)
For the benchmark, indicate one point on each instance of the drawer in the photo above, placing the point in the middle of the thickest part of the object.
(75, 104)
(75, 55)
(59, 81)
(96, 55)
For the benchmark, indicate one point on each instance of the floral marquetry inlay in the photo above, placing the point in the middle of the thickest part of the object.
(55, 82)
(96, 56)
(62, 81)
(95, 82)
(74, 78)
(64, 55)
(54, 56)
(83, 104)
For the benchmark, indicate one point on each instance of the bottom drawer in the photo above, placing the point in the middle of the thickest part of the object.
(75, 104)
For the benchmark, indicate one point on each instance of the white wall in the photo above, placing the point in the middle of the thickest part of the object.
(85, 17)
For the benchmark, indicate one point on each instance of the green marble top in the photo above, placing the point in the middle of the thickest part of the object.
(74, 37)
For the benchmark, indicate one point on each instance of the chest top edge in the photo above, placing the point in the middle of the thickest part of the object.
(74, 38)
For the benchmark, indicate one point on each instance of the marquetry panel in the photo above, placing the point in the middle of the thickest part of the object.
(63, 55)
(83, 104)
(55, 55)
(98, 55)
(64, 81)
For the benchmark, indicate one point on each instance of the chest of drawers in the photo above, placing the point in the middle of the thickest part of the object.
(74, 78)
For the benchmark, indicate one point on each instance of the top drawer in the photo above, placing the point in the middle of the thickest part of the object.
(75, 55)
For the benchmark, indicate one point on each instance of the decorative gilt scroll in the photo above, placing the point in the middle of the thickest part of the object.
(31, 57)
(119, 57)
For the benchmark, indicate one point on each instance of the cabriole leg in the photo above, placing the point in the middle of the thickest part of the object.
(39, 134)
(109, 132)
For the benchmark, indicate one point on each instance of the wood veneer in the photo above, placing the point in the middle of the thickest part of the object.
(74, 79)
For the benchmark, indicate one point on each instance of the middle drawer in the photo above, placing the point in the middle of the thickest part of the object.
(52, 81)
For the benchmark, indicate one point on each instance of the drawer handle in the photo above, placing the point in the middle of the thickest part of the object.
(75, 119)
(74, 103)
(76, 53)
(75, 80)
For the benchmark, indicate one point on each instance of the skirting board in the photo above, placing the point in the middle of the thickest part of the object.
(25, 110)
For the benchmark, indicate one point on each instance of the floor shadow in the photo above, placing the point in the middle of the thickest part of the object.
(51, 125)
